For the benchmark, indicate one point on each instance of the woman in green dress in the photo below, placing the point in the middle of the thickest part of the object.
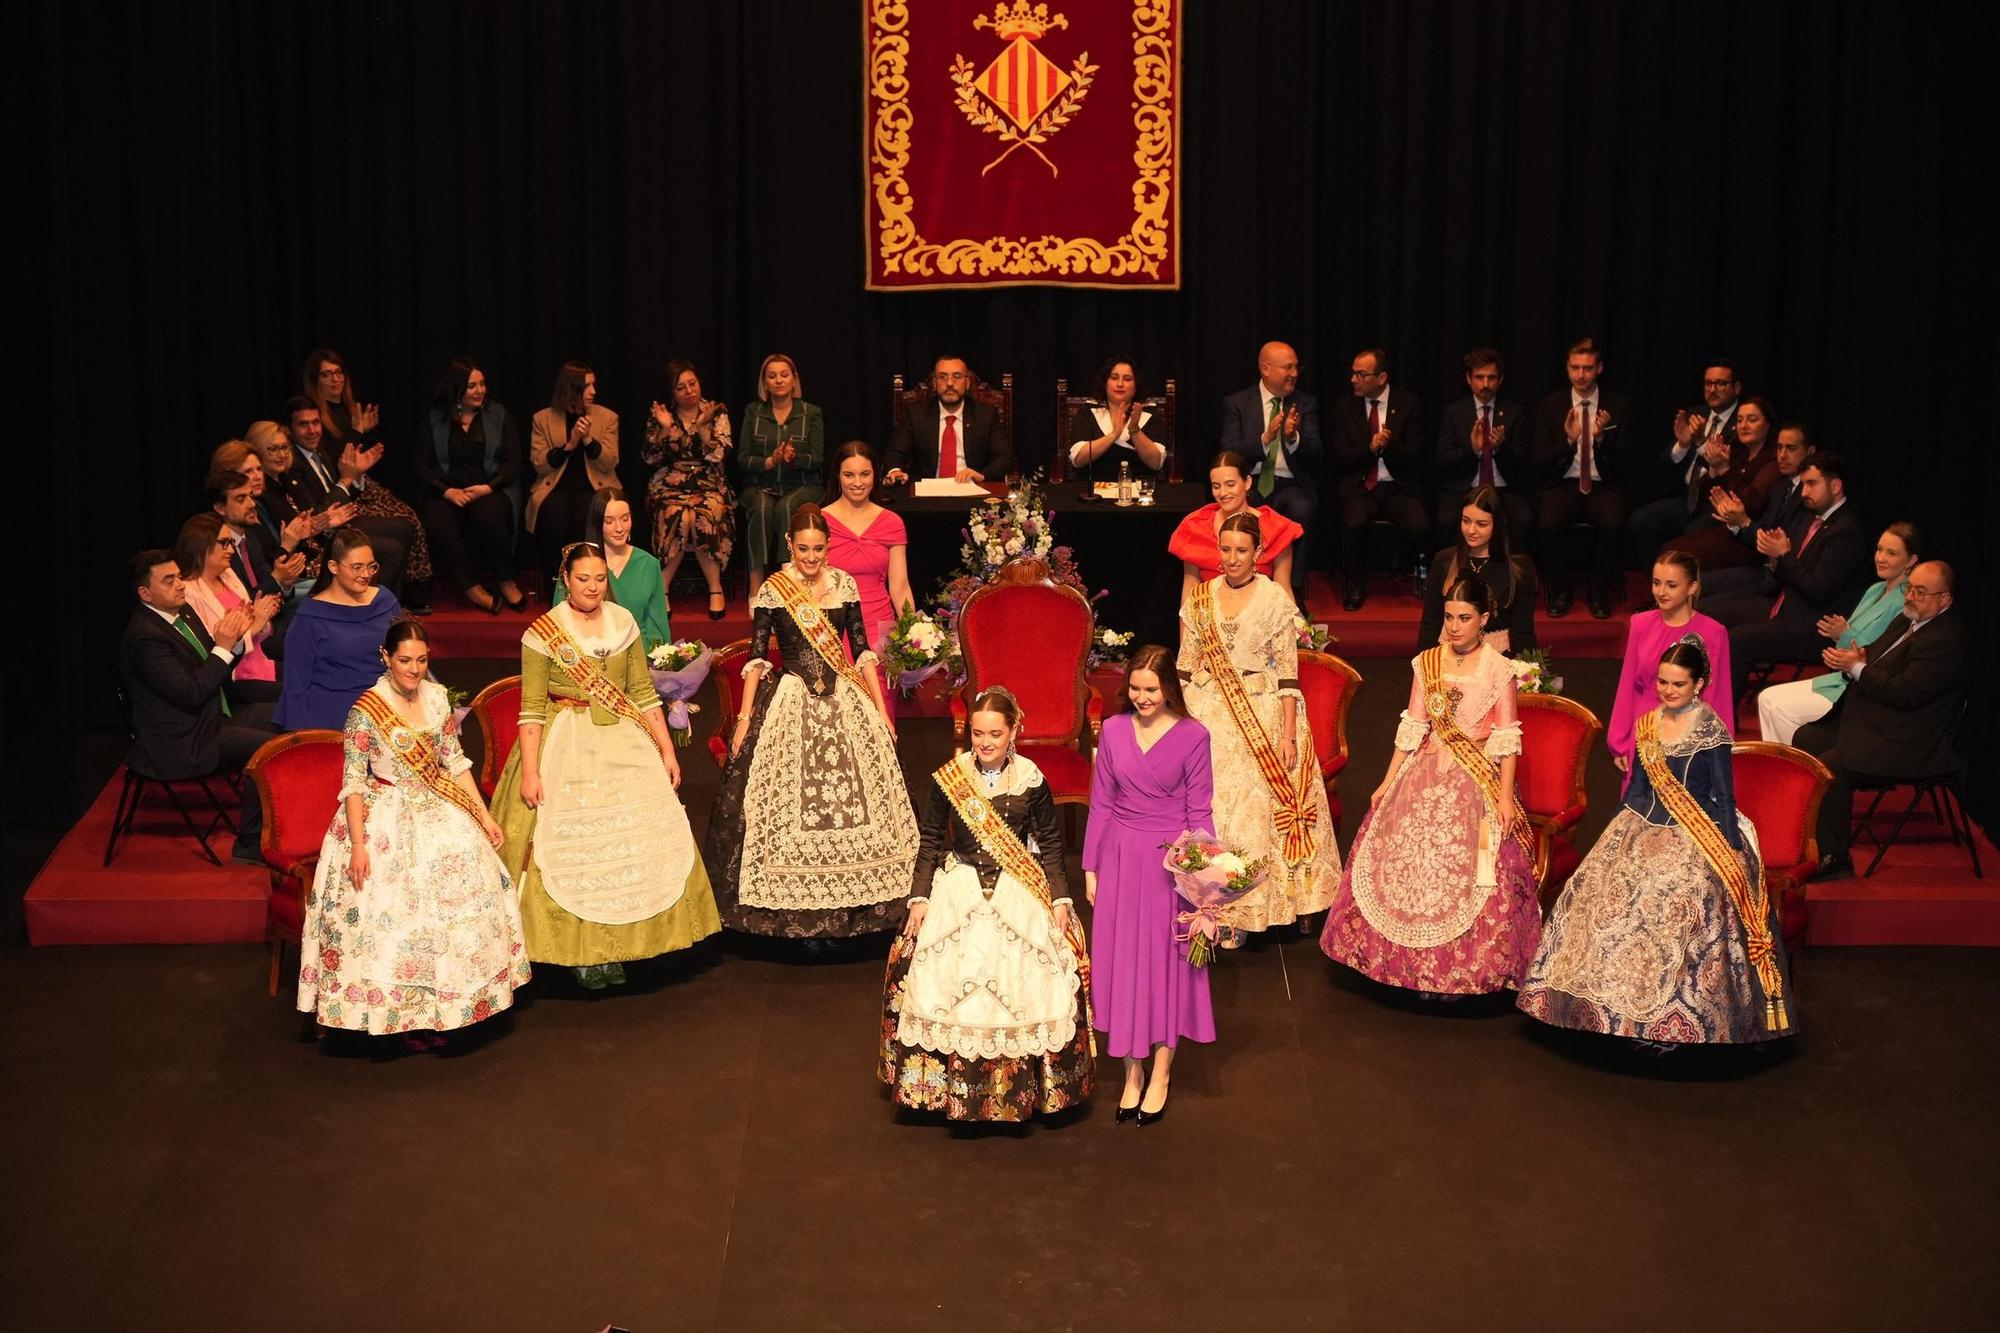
(782, 444)
(597, 839)
(635, 574)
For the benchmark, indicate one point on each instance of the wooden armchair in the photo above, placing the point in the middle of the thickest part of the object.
(1162, 406)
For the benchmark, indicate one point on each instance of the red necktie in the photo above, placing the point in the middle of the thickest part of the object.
(1811, 532)
(1584, 414)
(1374, 459)
(1485, 441)
(948, 447)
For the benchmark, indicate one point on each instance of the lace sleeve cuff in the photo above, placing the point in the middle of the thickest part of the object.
(354, 787)
(760, 665)
(868, 659)
(1410, 732)
(1503, 742)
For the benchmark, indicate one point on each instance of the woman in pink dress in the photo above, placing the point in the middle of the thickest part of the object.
(1676, 584)
(1439, 891)
(868, 542)
(203, 550)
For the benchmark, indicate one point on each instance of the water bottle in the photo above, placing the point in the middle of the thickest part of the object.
(1124, 485)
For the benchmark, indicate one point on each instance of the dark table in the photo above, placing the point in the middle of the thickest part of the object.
(1123, 551)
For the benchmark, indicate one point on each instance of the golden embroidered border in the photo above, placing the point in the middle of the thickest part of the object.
(589, 677)
(1291, 812)
(1484, 772)
(1153, 239)
(413, 749)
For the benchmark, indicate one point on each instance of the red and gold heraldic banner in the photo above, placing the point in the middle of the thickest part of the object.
(1012, 144)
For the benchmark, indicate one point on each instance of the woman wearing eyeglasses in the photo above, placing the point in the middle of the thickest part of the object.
(350, 424)
(203, 551)
(333, 648)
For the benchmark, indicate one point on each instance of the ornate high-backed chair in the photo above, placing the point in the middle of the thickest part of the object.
(904, 395)
(1028, 632)
(727, 673)
(1162, 406)
(1556, 738)
(1329, 685)
(496, 711)
(298, 778)
(1779, 789)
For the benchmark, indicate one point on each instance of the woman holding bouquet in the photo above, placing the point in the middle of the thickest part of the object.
(812, 835)
(1150, 785)
(635, 575)
(1239, 664)
(596, 836)
(1194, 541)
(869, 543)
(411, 925)
(1665, 933)
(1439, 892)
(983, 1013)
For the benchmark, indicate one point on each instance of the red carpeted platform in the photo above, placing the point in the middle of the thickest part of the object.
(1386, 624)
(1924, 892)
(159, 890)
(459, 629)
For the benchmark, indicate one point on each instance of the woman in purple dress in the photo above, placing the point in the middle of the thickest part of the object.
(1676, 584)
(868, 542)
(1151, 784)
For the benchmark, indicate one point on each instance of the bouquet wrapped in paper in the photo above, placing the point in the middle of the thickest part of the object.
(1209, 876)
(678, 669)
(918, 647)
(1532, 674)
(1312, 634)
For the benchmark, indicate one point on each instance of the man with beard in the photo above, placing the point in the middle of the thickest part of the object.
(949, 434)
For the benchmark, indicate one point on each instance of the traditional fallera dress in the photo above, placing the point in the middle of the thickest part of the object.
(607, 866)
(1438, 895)
(1665, 933)
(983, 1014)
(1238, 673)
(1142, 990)
(812, 835)
(432, 940)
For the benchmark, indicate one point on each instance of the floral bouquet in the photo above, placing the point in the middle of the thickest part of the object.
(1315, 637)
(997, 530)
(1210, 877)
(1532, 674)
(1109, 647)
(918, 647)
(678, 669)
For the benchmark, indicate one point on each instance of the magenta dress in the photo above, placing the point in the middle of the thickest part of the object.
(865, 555)
(1645, 639)
(1141, 987)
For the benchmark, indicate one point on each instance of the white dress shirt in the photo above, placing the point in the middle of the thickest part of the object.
(951, 414)
(1133, 422)
(1382, 472)
(1492, 424)
(1279, 460)
(1586, 405)
(172, 618)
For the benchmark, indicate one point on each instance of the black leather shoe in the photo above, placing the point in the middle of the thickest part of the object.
(1353, 600)
(1127, 1113)
(1834, 866)
(1599, 608)
(1146, 1118)
(1559, 603)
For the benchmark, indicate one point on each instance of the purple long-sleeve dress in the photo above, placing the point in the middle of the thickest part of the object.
(1142, 988)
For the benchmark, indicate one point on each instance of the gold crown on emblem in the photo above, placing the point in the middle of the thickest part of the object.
(1020, 21)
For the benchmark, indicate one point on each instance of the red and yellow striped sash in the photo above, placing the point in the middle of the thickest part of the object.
(588, 675)
(1292, 811)
(415, 751)
(1484, 772)
(811, 619)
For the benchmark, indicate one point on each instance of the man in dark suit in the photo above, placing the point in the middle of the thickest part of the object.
(1276, 430)
(1732, 536)
(1579, 465)
(1704, 449)
(174, 674)
(1821, 574)
(1378, 466)
(950, 433)
(317, 485)
(1898, 718)
(1483, 440)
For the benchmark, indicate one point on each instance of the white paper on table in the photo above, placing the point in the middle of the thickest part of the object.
(947, 486)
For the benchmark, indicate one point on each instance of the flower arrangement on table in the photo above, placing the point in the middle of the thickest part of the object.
(678, 669)
(1209, 876)
(919, 646)
(1532, 674)
(1312, 635)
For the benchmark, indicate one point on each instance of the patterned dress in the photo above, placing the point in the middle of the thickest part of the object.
(692, 477)
(433, 939)
(1263, 645)
(982, 1018)
(812, 834)
(1645, 941)
(1435, 897)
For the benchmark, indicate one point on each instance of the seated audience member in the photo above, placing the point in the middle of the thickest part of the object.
(1579, 463)
(175, 673)
(780, 455)
(1783, 709)
(1483, 551)
(279, 526)
(274, 570)
(1379, 466)
(1748, 482)
(694, 508)
(1899, 715)
(950, 433)
(1194, 540)
(203, 551)
(1728, 533)
(328, 489)
(635, 574)
(1116, 430)
(1703, 449)
(1484, 440)
(573, 444)
(467, 459)
(1274, 426)
(273, 448)
(333, 649)
(353, 438)
(1816, 576)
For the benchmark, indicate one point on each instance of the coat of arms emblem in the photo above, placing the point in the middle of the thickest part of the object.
(1023, 96)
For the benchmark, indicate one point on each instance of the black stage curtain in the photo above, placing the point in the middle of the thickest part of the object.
(216, 188)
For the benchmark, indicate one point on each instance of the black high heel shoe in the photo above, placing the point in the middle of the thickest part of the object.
(1152, 1117)
(1126, 1113)
(713, 612)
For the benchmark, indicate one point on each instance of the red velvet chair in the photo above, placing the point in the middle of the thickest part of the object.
(1028, 632)
(1329, 685)
(1556, 739)
(298, 781)
(496, 711)
(727, 673)
(1779, 789)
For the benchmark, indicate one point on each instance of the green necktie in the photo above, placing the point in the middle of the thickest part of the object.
(1267, 478)
(220, 696)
